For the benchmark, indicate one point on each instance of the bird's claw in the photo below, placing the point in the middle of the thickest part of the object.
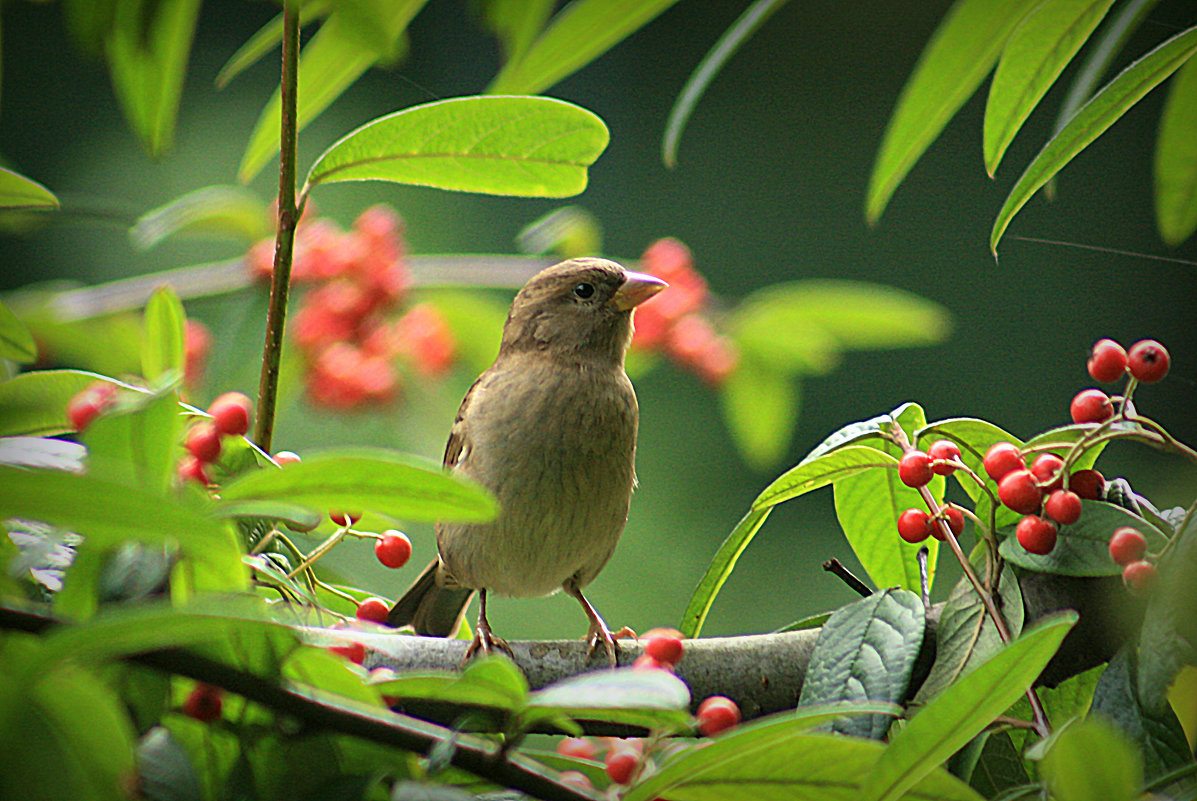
(598, 635)
(486, 642)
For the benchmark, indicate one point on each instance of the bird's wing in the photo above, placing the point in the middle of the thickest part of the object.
(458, 445)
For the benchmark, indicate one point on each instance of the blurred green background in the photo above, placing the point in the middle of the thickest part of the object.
(769, 187)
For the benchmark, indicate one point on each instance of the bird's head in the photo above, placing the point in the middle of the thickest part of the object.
(578, 308)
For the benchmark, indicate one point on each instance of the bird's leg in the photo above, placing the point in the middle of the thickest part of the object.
(599, 633)
(483, 638)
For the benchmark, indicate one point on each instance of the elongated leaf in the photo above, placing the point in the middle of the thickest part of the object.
(374, 479)
(1092, 121)
(526, 146)
(16, 343)
(866, 652)
(859, 432)
(963, 710)
(1176, 159)
(1036, 53)
(577, 35)
(266, 39)
(740, 32)
(797, 481)
(1093, 760)
(960, 54)
(517, 23)
(147, 52)
(653, 699)
(494, 683)
(19, 192)
(228, 211)
(330, 62)
(760, 405)
(162, 348)
(44, 452)
(35, 402)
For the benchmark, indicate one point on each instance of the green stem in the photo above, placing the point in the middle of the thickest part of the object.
(284, 243)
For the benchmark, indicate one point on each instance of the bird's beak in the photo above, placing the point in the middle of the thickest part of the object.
(636, 288)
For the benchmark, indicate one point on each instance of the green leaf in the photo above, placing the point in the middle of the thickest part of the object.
(740, 32)
(1035, 54)
(331, 61)
(577, 35)
(19, 192)
(1092, 760)
(42, 452)
(1082, 548)
(778, 759)
(866, 651)
(164, 771)
(147, 49)
(374, 479)
(999, 767)
(964, 710)
(1168, 639)
(264, 40)
(517, 23)
(35, 402)
(960, 53)
(136, 443)
(860, 431)
(494, 683)
(1176, 159)
(760, 405)
(162, 347)
(16, 343)
(804, 478)
(229, 211)
(974, 438)
(1102, 111)
(524, 146)
(652, 699)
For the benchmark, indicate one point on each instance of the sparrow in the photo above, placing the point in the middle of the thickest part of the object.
(550, 429)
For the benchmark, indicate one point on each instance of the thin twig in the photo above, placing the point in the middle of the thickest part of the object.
(837, 567)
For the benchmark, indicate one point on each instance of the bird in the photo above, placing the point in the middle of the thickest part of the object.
(550, 430)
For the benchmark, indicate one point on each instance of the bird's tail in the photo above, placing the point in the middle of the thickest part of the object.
(430, 608)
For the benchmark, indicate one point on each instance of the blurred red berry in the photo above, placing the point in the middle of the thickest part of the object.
(1089, 484)
(914, 525)
(203, 441)
(1047, 469)
(1139, 576)
(204, 703)
(197, 343)
(621, 764)
(393, 549)
(343, 519)
(286, 457)
(1063, 506)
(373, 609)
(670, 260)
(650, 327)
(646, 662)
(1036, 535)
(1127, 544)
(717, 363)
(230, 412)
(575, 778)
(667, 650)
(914, 468)
(90, 403)
(355, 652)
(1002, 458)
(942, 451)
(1148, 361)
(577, 747)
(316, 326)
(192, 469)
(260, 260)
(1018, 491)
(689, 338)
(1091, 406)
(424, 338)
(1107, 361)
(717, 713)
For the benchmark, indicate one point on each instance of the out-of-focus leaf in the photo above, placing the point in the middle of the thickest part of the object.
(19, 192)
(1092, 760)
(1176, 159)
(162, 347)
(227, 211)
(961, 52)
(1106, 107)
(330, 62)
(577, 35)
(164, 770)
(147, 48)
(517, 23)
(88, 22)
(266, 39)
(136, 442)
(760, 405)
(43, 452)
(653, 699)
(1035, 54)
(740, 32)
(16, 343)
(1168, 639)
(525, 146)
(35, 403)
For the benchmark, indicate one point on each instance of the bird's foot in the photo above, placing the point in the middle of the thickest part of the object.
(484, 639)
(600, 635)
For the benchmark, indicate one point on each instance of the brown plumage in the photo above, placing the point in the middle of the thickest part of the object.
(550, 429)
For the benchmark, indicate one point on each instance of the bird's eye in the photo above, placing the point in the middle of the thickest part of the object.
(584, 290)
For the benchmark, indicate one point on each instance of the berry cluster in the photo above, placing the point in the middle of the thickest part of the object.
(1128, 547)
(1147, 361)
(915, 469)
(663, 650)
(228, 416)
(674, 322)
(351, 326)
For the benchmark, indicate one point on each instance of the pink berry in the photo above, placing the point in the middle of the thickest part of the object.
(1139, 576)
(914, 525)
(621, 764)
(1091, 406)
(1002, 458)
(1127, 545)
(667, 650)
(192, 469)
(355, 652)
(1089, 484)
(203, 442)
(1047, 469)
(577, 747)
(1063, 506)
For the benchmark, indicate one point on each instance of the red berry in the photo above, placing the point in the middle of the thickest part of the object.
(716, 714)
(88, 404)
(203, 441)
(914, 525)
(373, 609)
(621, 764)
(943, 450)
(1036, 535)
(667, 650)
(1018, 491)
(1091, 406)
(1139, 576)
(955, 519)
(197, 342)
(575, 778)
(1089, 484)
(230, 413)
(1107, 361)
(1002, 458)
(662, 631)
(914, 468)
(192, 469)
(1063, 506)
(286, 457)
(1047, 471)
(577, 747)
(1148, 361)
(1127, 544)
(343, 519)
(646, 662)
(393, 549)
(355, 652)
(204, 703)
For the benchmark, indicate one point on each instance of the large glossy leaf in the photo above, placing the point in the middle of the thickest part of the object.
(760, 405)
(577, 35)
(330, 62)
(147, 49)
(960, 54)
(964, 710)
(19, 192)
(526, 146)
(1176, 159)
(35, 402)
(1035, 55)
(373, 479)
(1106, 107)
(16, 343)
